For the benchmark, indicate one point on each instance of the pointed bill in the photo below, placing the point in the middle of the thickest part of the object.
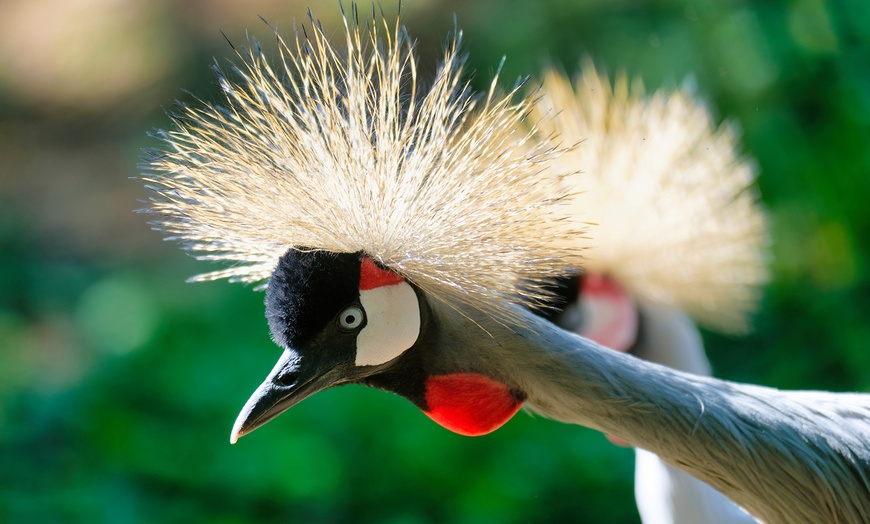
(286, 386)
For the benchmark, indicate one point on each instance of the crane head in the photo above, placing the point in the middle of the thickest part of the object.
(383, 213)
(342, 318)
(595, 306)
(677, 217)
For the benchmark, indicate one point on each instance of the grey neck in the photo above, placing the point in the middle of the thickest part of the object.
(784, 456)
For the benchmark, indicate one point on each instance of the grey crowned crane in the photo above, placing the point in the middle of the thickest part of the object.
(676, 229)
(402, 240)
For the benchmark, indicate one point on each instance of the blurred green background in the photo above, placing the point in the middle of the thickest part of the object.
(119, 383)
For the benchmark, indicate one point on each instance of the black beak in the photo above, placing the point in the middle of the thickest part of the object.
(285, 387)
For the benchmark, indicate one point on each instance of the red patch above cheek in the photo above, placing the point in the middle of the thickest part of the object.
(470, 404)
(371, 276)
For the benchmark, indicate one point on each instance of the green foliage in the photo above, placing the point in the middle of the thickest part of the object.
(119, 383)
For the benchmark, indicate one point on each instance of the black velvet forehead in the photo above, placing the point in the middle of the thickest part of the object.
(306, 291)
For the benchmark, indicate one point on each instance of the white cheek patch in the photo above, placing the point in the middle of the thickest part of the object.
(393, 323)
(610, 315)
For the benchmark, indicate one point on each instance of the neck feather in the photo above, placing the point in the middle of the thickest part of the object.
(784, 456)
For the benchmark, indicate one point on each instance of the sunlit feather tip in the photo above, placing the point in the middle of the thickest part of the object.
(674, 215)
(343, 150)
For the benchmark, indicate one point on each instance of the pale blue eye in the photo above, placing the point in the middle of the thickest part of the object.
(351, 318)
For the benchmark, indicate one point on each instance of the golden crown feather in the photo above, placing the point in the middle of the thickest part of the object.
(672, 211)
(345, 151)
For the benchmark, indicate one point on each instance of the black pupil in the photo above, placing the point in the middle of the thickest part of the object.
(350, 319)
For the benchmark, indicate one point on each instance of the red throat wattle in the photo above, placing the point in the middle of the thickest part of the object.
(470, 404)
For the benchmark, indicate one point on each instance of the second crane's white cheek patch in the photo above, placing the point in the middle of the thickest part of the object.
(611, 315)
(393, 323)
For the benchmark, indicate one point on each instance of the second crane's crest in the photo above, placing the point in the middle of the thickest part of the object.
(675, 213)
(344, 151)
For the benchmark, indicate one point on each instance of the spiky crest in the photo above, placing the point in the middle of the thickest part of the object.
(344, 151)
(673, 215)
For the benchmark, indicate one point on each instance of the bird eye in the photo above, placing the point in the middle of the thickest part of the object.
(351, 318)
